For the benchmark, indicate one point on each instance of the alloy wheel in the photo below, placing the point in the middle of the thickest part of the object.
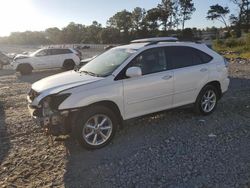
(208, 101)
(97, 130)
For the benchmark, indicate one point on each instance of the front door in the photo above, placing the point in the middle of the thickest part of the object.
(41, 60)
(151, 92)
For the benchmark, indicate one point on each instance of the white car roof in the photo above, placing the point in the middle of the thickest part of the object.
(140, 45)
(135, 46)
(155, 39)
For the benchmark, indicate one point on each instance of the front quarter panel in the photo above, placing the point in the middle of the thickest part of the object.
(82, 96)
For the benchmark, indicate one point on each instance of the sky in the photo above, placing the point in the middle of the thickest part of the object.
(37, 15)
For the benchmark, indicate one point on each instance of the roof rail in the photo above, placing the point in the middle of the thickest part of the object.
(155, 40)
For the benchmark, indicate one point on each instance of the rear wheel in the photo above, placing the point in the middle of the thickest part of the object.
(24, 69)
(69, 64)
(95, 127)
(206, 101)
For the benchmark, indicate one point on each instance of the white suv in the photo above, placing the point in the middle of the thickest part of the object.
(128, 81)
(46, 59)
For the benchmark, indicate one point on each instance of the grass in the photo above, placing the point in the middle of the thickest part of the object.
(234, 48)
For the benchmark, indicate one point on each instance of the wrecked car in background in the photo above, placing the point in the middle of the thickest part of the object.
(4, 60)
(47, 58)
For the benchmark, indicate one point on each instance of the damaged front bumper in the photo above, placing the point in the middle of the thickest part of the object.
(56, 123)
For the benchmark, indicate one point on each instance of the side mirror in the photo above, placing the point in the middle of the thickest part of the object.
(133, 72)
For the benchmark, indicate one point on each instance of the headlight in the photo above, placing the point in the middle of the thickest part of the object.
(54, 101)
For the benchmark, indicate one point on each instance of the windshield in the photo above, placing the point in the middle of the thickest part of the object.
(105, 64)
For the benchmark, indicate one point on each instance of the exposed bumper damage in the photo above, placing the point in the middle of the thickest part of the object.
(54, 122)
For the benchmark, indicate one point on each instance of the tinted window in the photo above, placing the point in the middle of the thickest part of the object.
(66, 51)
(150, 61)
(204, 57)
(60, 51)
(181, 56)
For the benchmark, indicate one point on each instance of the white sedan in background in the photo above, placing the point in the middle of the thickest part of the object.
(66, 58)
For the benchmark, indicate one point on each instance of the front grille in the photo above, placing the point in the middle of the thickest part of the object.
(32, 94)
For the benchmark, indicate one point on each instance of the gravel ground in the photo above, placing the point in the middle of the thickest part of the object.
(173, 148)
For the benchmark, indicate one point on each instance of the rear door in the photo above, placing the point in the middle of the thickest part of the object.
(57, 57)
(190, 72)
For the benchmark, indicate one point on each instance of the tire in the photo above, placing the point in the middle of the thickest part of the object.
(69, 64)
(207, 100)
(90, 126)
(25, 69)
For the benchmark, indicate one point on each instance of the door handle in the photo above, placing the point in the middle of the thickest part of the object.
(203, 70)
(167, 77)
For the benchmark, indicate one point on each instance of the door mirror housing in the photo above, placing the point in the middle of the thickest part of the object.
(133, 72)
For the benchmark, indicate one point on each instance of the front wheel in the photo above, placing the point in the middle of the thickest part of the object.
(69, 64)
(206, 101)
(95, 127)
(25, 69)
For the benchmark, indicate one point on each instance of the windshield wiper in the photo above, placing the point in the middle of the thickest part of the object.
(91, 73)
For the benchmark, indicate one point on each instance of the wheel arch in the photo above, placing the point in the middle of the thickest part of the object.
(106, 103)
(111, 105)
(217, 85)
(24, 64)
(71, 60)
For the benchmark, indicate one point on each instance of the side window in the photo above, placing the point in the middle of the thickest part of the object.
(66, 51)
(60, 51)
(55, 51)
(42, 53)
(182, 56)
(150, 61)
(179, 57)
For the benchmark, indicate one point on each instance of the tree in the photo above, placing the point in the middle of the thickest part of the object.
(110, 35)
(152, 18)
(187, 34)
(165, 11)
(186, 10)
(123, 22)
(73, 33)
(243, 19)
(54, 35)
(138, 16)
(217, 12)
(92, 33)
(175, 16)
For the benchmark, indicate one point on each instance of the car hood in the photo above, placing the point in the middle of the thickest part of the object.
(62, 81)
(21, 56)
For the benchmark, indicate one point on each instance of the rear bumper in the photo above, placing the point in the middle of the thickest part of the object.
(224, 85)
